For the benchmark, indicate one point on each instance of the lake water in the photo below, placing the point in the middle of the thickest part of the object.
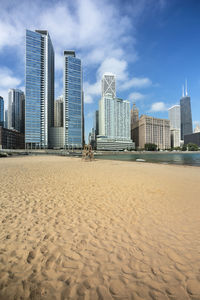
(191, 159)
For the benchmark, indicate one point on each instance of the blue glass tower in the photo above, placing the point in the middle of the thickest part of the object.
(39, 99)
(1, 111)
(73, 101)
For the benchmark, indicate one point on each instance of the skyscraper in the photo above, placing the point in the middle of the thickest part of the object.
(39, 107)
(73, 101)
(108, 85)
(58, 112)
(1, 111)
(114, 118)
(186, 115)
(16, 107)
(134, 115)
(175, 125)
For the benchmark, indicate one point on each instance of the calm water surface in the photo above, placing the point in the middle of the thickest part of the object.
(191, 159)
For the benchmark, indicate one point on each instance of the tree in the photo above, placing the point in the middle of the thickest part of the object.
(150, 147)
(192, 147)
(184, 148)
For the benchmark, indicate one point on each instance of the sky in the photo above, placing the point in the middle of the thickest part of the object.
(152, 46)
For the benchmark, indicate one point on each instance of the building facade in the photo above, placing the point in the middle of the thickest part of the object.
(152, 130)
(11, 139)
(175, 125)
(73, 101)
(16, 110)
(114, 119)
(1, 111)
(192, 138)
(39, 88)
(58, 112)
(108, 85)
(186, 116)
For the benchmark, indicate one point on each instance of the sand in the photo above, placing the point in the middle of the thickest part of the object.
(71, 229)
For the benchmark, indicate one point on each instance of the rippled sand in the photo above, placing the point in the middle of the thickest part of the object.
(71, 229)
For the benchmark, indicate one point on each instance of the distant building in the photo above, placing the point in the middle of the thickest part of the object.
(114, 119)
(1, 111)
(58, 112)
(39, 88)
(96, 123)
(6, 119)
(134, 115)
(197, 128)
(175, 125)
(192, 138)
(11, 139)
(108, 85)
(152, 130)
(16, 108)
(186, 115)
(73, 101)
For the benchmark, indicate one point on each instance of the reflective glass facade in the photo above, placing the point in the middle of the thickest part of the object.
(39, 105)
(186, 117)
(73, 104)
(16, 110)
(1, 111)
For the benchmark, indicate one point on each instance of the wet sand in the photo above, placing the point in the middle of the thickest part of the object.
(71, 229)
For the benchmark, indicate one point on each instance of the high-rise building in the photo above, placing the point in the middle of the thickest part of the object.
(58, 112)
(175, 125)
(114, 119)
(6, 119)
(16, 107)
(96, 122)
(1, 111)
(39, 107)
(108, 85)
(73, 101)
(186, 115)
(134, 115)
(152, 130)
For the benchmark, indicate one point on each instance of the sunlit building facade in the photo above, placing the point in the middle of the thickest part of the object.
(39, 102)
(73, 101)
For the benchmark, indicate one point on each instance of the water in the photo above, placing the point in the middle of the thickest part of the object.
(191, 159)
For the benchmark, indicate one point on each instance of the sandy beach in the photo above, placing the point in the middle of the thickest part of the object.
(71, 229)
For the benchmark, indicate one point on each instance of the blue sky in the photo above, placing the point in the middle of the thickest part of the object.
(151, 45)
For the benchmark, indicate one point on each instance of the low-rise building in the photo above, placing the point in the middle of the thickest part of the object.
(11, 139)
(151, 130)
(192, 138)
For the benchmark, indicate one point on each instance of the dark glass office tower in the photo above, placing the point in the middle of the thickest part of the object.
(1, 111)
(39, 99)
(186, 116)
(73, 101)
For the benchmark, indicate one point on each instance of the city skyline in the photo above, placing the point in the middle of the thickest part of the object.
(149, 58)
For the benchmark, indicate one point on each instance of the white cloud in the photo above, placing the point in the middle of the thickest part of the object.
(97, 30)
(158, 106)
(135, 96)
(136, 83)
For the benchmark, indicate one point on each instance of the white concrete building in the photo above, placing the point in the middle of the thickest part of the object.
(175, 125)
(114, 120)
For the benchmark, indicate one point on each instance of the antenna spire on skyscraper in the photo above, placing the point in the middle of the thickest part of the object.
(186, 87)
(183, 91)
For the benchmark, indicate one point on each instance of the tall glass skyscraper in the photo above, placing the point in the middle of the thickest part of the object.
(39, 103)
(186, 116)
(73, 101)
(16, 107)
(1, 111)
